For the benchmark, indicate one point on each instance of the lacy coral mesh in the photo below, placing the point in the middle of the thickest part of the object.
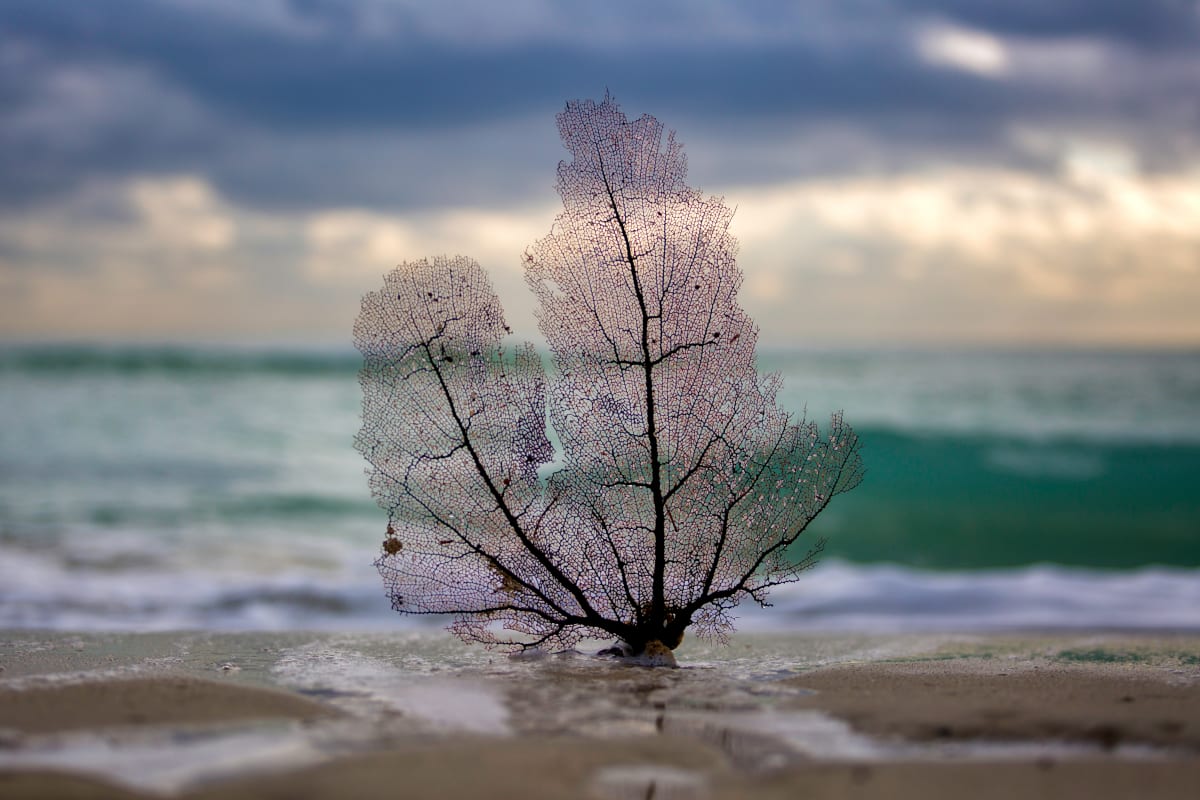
(680, 487)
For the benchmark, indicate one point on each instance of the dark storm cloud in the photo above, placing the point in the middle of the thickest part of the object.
(341, 78)
(1147, 23)
(312, 102)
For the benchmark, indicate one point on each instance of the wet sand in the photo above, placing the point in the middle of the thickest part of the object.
(964, 700)
(119, 702)
(207, 716)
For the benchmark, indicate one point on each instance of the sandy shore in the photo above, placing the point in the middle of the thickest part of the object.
(971, 699)
(175, 700)
(207, 716)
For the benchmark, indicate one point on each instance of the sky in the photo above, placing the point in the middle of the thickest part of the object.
(905, 172)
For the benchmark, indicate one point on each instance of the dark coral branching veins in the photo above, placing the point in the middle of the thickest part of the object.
(682, 486)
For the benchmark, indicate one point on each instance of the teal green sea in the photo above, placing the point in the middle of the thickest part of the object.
(972, 502)
(167, 487)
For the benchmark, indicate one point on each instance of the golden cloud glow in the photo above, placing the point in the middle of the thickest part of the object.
(1098, 253)
(1056, 233)
(348, 242)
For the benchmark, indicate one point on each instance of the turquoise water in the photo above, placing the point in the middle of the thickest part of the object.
(978, 501)
(176, 487)
(982, 460)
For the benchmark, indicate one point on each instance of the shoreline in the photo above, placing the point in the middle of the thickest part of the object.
(194, 715)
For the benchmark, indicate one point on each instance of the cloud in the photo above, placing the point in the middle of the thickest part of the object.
(426, 73)
(1151, 24)
(355, 247)
(385, 104)
(902, 169)
(68, 122)
(965, 49)
(170, 257)
(1096, 254)
(1099, 254)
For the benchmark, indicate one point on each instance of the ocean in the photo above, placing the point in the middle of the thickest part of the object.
(170, 487)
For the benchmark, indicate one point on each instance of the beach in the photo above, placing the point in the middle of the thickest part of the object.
(768, 715)
(1008, 605)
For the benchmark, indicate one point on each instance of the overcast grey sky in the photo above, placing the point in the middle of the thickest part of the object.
(922, 171)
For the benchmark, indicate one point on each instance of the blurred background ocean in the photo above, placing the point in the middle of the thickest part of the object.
(981, 221)
(173, 487)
